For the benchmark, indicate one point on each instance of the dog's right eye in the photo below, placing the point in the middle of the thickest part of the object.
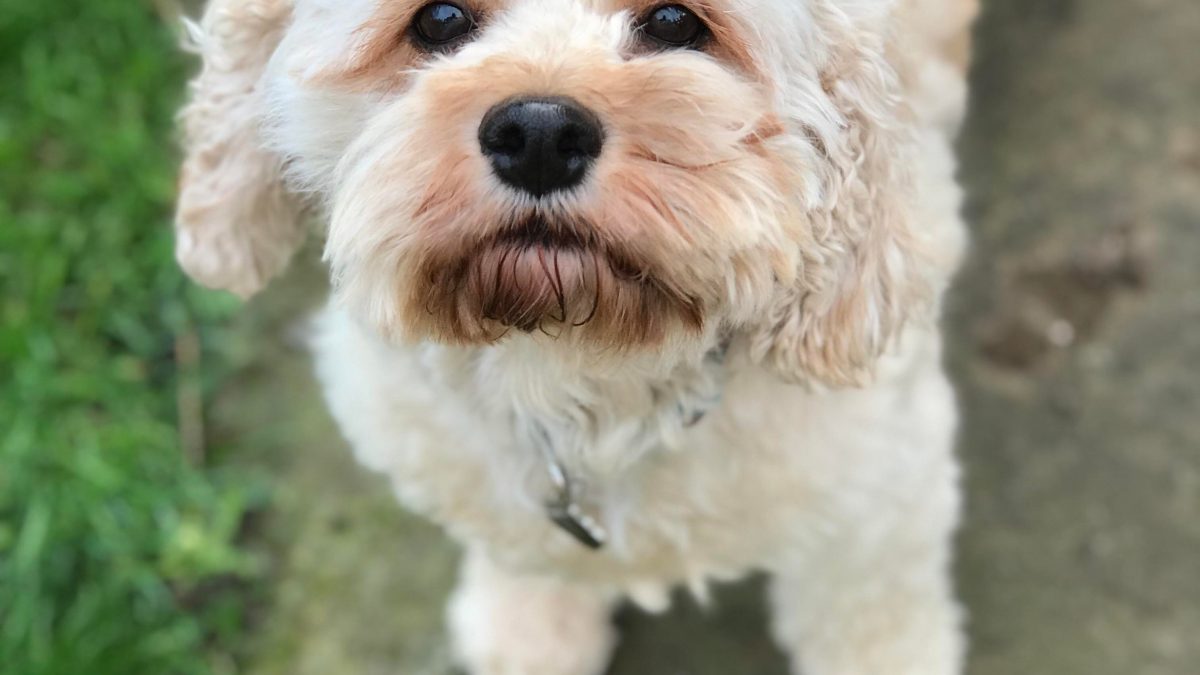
(673, 26)
(441, 24)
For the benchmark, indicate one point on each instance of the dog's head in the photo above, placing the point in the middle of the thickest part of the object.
(613, 173)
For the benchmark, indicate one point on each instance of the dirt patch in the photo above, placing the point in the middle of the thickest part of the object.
(1058, 301)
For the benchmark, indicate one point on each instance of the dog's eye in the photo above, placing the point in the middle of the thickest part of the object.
(440, 24)
(674, 26)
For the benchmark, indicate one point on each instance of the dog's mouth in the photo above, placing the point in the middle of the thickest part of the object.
(540, 232)
(540, 274)
(554, 276)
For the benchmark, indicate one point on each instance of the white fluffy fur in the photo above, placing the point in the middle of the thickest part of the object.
(818, 243)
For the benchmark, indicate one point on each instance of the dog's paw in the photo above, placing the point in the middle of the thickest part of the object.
(505, 625)
(524, 645)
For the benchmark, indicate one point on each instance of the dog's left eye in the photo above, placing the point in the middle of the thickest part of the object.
(673, 26)
(440, 24)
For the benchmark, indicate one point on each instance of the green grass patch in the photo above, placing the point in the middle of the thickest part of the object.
(118, 556)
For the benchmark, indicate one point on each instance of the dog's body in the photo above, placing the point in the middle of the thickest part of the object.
(763, 392)
(848, 498)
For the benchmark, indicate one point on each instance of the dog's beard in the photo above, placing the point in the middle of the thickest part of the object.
(556, 277)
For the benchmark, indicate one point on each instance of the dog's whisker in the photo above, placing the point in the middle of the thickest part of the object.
(595, 293)
(558, 287)
(551, 279)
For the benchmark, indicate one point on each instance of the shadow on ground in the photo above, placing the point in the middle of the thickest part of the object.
(1074, 338)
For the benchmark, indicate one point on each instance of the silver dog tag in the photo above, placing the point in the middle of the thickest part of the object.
(571, 519)
(563, 510)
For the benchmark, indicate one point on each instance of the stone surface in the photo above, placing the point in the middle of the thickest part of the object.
(1074, 338)
(1081, 548)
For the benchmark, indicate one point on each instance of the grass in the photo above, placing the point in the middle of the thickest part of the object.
(118, 555)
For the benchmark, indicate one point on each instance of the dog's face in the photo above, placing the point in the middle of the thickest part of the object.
(606, 172)
(611, 173)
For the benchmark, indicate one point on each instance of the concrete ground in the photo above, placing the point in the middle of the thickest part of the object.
(1075, 334)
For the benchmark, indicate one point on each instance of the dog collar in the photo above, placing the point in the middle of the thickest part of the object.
(565, 506)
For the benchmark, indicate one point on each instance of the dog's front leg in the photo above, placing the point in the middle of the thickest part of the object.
(889, 613)
(510, 624)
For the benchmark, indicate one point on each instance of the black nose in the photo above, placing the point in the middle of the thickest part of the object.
(540, 145)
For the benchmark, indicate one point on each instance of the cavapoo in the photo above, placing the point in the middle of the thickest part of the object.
(626, 295)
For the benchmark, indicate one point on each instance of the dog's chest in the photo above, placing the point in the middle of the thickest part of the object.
(660, 467)
(615, 463)
(695, 504)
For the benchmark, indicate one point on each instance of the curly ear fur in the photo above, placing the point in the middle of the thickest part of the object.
(236, 225)
(866, 274)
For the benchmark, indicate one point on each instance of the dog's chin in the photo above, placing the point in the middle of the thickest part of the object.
(553, 279)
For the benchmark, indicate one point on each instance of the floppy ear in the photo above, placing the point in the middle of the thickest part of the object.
(863, 273)
(236, 225)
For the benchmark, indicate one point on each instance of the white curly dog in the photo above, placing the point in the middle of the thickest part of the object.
(626, 294)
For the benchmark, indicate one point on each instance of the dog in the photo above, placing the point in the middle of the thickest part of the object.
(627, 295)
